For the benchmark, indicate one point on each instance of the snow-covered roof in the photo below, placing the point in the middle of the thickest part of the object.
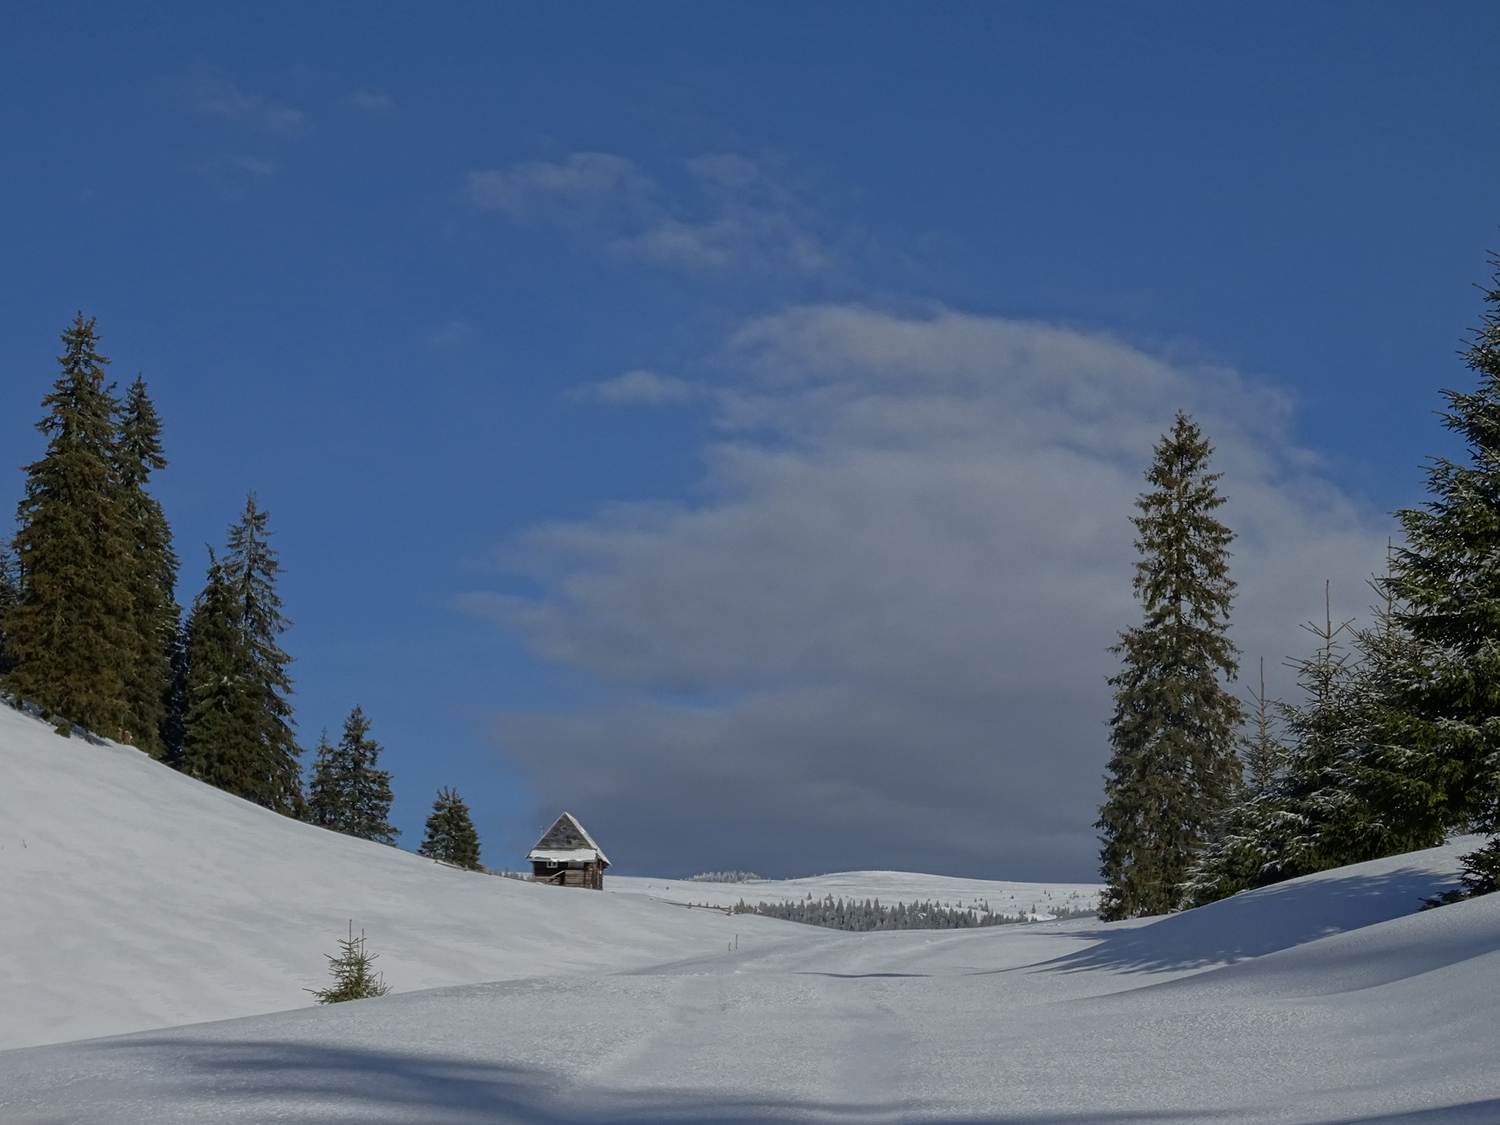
(567, 835)
(563, 855)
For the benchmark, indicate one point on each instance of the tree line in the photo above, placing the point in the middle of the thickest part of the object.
(869, 915)
(1396, 742)
(92, 635)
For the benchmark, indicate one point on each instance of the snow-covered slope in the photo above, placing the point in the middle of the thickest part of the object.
(1328, 1000)
(133, 897)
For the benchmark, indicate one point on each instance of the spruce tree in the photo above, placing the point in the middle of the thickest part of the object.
(450, 832)
(71, 633)
(153, 576)
(1265, 755)
(1447, 578)
(1350, 785)
(327, 801)
(349, 792)
(352, 972)
(1174, 768)
(237, 724)
(223, 723)
(251, 568)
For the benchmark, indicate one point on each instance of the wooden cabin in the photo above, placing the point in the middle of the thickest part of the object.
(566, 856)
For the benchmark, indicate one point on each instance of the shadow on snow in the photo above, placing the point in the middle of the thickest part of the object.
(294, 1083)
(1254, 923)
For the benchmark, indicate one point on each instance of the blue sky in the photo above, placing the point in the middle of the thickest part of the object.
(683, 414)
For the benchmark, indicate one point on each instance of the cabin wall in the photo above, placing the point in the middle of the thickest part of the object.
(590, 875)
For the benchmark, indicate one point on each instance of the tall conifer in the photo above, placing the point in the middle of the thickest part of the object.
(71, 633)
(1447, 579)
(1174, 767)
(349, 792)
(154, 571)
(237, 724)
(450, 832)
(223, 721)
(251, 567)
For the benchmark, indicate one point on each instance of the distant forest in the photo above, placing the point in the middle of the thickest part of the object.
(840, 914)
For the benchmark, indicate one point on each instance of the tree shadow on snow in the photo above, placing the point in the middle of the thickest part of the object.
(176, 1079)
(1254, 923)
(1485, 1112)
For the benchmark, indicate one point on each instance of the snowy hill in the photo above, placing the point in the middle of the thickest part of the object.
(1328, 1000)
(136, 898)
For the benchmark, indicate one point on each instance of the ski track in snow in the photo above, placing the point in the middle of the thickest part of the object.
(142, 901)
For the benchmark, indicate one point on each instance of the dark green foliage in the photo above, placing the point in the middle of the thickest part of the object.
(353, 978)
(326, 801)
(224, 721)
(1174, 767)
(1482, 869)
(10, 593)
(349, 793)
(450, 832)
(1448, 580)
(1264, 754)
(70, 632)
(1402, 745)
(251, 568)
(1352, 786)
(173, 729)
(237, 722)
(153, 578)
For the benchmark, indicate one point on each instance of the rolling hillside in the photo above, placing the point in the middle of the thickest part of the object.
(135, 898)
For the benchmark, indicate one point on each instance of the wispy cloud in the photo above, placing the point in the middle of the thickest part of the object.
(880, 635)
(638, 387)
(735, 216)
(232, 174)
(577, 189)
(213, 95)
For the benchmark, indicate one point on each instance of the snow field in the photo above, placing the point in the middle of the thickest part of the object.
(140, 898)
(132, 897)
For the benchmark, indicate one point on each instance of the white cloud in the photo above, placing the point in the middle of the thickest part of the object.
(752, 223)
(737, 217)
(578, 187)
(639, 387)
(880, 638)
(213, 95)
